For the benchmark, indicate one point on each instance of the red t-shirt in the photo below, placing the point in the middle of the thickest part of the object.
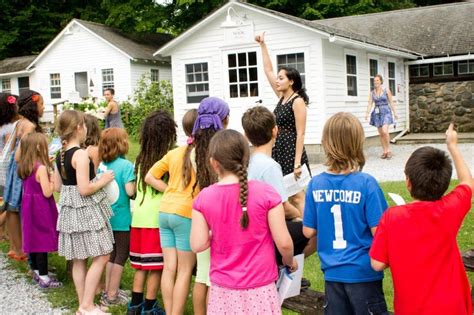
(418, 242)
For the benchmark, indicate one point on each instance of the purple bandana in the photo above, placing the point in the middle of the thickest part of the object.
(211, 112)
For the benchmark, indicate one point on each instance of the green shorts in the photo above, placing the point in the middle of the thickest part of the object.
(203, 265)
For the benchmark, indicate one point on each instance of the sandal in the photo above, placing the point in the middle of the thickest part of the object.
(383, 156)
(11, 253)
(19, 257)
(389, 155)
(51, 284)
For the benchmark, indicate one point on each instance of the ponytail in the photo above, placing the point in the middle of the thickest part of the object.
(62, 153)
(243, 184)
(187, 166)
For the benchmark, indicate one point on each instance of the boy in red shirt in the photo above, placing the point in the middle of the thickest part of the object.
(418, 240)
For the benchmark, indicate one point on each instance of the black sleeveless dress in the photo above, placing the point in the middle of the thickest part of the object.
(285, 146)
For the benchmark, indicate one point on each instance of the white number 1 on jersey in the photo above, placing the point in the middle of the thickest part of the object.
(339, 242)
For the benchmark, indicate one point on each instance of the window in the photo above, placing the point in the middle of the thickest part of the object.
(373, 70)
(351, 71)
(107, 79)
(466, 67)
(243, 77)
(197, 82)
(391, 78)
(443, 68)
(23, 84)
(6, 86)
(55, 82)
(293, 61)
(417, 71)
(155, 75)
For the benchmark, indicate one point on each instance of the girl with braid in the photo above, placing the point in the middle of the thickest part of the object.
(245, 218)
(186, 179)
(83, 222)
(157, 137)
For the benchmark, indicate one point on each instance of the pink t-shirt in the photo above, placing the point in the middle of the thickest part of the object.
(240, 259)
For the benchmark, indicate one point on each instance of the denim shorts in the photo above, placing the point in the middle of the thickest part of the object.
(361, 298)
(175, 231)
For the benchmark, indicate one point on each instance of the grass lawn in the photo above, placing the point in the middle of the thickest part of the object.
(66, 297)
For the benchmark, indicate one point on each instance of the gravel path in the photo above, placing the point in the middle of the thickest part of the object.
(19, 296)
(393, 170)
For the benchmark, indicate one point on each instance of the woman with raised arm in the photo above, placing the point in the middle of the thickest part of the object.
(290, 114)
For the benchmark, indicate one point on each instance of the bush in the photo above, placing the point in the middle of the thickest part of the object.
(148, 97)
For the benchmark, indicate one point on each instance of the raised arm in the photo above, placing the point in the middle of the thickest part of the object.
(267, 62)
(390, 103)
(462, 170)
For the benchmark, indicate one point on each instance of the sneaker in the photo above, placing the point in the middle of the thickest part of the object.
(135, 309)
(51, 284)
(124, 293)
(117, 300)
(156, 310)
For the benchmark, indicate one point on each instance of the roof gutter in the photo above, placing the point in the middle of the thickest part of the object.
(441, 59)
(16, 73)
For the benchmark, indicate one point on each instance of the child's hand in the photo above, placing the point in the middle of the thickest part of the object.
(451, 136)
(107, 176)
(294, 266)
(260, 38)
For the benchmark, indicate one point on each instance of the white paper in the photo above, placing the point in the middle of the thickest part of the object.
(294, 186)
(112, 189)
(289, 285)
(399, 201)
(54, 146)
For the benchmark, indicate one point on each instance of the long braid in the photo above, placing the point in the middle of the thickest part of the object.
(62, 153)
(243, 184)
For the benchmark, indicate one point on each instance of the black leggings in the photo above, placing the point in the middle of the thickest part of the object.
(39, 261)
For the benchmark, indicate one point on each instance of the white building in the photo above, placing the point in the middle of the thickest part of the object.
(220, 59)
(84, 59)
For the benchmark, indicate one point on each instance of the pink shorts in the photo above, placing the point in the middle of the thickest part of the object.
(261, 300)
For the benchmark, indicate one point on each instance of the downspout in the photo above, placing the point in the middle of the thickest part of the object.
(407, 106)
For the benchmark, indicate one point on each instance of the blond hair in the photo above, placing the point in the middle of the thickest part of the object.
(67, 128)
(33, 149)
(343, 143)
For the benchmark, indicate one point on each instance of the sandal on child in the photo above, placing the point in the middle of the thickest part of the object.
(383, 156)
(51, 284)
(20, 257)
(389, 155)
(11, 253)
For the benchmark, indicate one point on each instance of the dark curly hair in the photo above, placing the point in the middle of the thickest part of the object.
(8, 111)
(28, 107)
(157, 137)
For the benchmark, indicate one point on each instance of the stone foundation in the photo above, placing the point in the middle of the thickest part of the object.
(434, 105)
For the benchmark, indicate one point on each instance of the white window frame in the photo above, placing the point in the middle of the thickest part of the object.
(107, 84)
(469, 62)
(186, 83)
(356, 75)
(245, 50)
(55, 85)
(442, 67)
(294, 52)
(418, 71)
(157, 71)
(6, 85)
(371, 77)
(394, 79)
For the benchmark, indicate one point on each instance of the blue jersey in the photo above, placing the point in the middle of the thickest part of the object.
(343, 208)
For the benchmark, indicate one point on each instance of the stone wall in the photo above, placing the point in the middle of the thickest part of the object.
(434, 105)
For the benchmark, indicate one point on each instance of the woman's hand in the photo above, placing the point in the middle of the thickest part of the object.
(260, 38)
(297, 172)
(294, 266)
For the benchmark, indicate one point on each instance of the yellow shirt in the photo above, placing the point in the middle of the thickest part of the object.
(176, 199)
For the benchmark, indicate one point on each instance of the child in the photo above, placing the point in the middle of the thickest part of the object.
(39, 214)
(176, 204)
(157, 137)
(113, 146)
(344, 206)
(83, 223)
(261, 130)
(30, 109)
(91, 145)
(417, 241)
(243, 268)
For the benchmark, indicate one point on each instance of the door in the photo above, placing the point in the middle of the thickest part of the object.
(80, 79)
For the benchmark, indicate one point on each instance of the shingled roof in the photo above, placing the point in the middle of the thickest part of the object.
(432, 31)
(15, 64)
(137, 46)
